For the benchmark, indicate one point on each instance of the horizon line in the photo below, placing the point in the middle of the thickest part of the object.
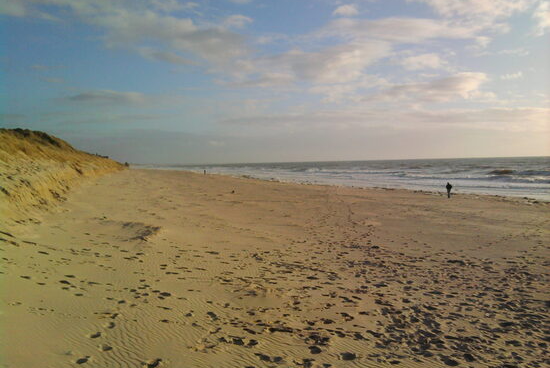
(331, 161)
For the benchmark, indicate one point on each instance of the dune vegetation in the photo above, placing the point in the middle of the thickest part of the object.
(37, 170)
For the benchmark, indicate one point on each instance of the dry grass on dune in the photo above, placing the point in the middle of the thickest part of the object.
(37, 169)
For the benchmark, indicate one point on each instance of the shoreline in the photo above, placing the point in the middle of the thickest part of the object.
(521, 199)
(153, 268)
(509, 177)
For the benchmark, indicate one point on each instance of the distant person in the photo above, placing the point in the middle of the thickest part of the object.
(204, 172)
(449, 187)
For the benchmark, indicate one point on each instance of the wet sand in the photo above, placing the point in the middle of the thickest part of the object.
(150, 268)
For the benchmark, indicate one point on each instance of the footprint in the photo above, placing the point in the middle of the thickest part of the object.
(347, 356)
(83, 360)
(314, 349)
(105, 347)
(152, 363)
(109, 325)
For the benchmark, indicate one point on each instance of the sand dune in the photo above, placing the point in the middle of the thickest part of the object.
(173, 269)
(37, 170)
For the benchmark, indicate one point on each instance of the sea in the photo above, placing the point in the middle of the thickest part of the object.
(514, 176)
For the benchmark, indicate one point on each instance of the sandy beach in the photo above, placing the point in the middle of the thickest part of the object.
(145, 268)
(275, 184)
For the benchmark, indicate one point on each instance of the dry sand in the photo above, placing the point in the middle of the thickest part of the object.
(173, 269)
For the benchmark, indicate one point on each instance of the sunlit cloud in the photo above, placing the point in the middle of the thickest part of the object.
(486, 10)
(510, 76)
(542, 18)
(336, 64)
(396, 30)
(423, 61)
(348, 10)
(462, 85)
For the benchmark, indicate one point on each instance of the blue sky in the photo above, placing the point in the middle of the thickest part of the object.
(172, 81)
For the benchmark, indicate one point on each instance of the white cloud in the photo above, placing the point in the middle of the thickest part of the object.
(167, 5)
(335, 64)
(236, 21)
(487, 16)
(542, 17)
(215, 45)
(424, 61)
(270, 38)
(462, 85)
(482, 42)
(350, 91)
(347, 10)
(510, 76)
(487, 9)
(518, 52)
(334, 92)
(338, 64)
(136, 24)
(396, 29)
(241, 1)
(514, 52)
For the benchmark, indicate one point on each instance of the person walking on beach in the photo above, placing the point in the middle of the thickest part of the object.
(449, 187)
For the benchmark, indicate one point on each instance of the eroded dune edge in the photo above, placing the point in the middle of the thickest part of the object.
(173, 269)
(37, 170)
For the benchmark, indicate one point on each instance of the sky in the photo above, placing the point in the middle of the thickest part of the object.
(230, 81)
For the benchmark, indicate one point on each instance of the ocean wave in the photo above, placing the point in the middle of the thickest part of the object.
(509, 176)
(501, 172)
(515, 179)
(534, 173)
